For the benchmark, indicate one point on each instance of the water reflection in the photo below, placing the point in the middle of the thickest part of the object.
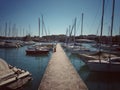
(36, 65)
(103, 81)
(95, 80)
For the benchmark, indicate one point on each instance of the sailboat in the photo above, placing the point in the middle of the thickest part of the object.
(109, 64)
(76, 48)
(38, 49)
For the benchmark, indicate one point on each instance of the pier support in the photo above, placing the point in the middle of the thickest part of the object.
(60, 74)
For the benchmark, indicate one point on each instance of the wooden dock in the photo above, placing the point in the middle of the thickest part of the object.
(60, 74)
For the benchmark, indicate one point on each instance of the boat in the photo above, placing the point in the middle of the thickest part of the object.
(106, 63)
(9, 44)
(10, 75)
(19, 83)
(107, 47)
(37, 51)
(29, 42)
(79, 50)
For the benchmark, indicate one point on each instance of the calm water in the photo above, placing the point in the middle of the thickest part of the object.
(37, 65)
(95, 80)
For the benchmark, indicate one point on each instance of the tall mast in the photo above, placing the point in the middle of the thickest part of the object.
(109, 35)
(42, 25)
(112, 20)
(29, 30)
(100, 39)
(6, 29)
(23, 32)
(9, 29)
(39, 26)
(112, 17)
(20, 31)
(75, 29)
(102, 22)
(113, 6)
(69, 34)
(66, 40)
(82, 25)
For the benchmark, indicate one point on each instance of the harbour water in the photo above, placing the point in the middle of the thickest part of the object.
(95, 80)
(36, 65)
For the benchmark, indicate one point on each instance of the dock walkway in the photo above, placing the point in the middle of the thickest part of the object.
(60, 74)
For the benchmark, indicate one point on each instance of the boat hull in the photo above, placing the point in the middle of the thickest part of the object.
(103, 67)
(36, 52)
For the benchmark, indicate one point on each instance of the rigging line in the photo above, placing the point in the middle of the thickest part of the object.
(98, 29)
(48, 31)
(82, 24)
(105, 9)
(39, 26)
(72, 29)
(112, 20)
(101, 30)
(106, 5)
(42, 26)
(78, 25)
(45, 28)
(98, 9)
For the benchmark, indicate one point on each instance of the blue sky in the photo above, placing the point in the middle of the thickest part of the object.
(58, 15)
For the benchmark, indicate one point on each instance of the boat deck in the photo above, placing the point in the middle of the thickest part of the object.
(60, 74)
(103, 56)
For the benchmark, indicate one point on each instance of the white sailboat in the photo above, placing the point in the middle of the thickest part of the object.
(109, 64)
(76, 48)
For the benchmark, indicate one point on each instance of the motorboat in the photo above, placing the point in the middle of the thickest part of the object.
(11, 76)
(37, 51)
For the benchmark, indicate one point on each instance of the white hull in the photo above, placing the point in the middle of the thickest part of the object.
(103, 67)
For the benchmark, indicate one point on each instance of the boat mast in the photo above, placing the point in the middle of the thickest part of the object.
(108, 35)
(6, 29)
(42, 25)
(66, 40)
(100, 39)
(112, 20)
(69, 30)
(29, 30)
(23, 32)
(9, 29)
(39, 26)
(75, 29)
(119, 36)
(44, 28)
(82, 26)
